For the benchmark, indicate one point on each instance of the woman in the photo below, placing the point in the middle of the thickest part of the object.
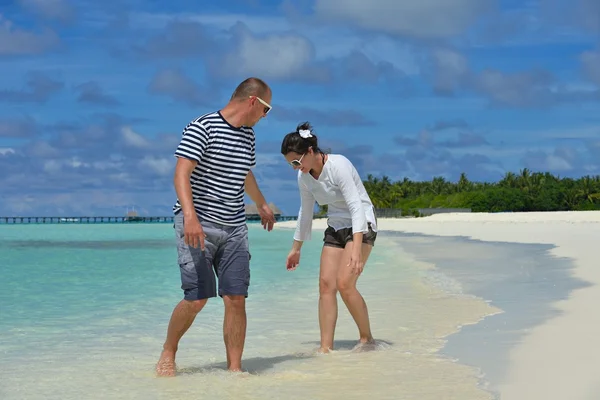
(352, 228)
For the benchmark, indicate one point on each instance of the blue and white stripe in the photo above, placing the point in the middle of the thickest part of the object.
(224, 154)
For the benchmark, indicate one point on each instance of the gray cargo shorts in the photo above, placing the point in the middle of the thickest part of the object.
(226, 256)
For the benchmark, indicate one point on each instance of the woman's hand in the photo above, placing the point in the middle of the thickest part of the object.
(356, 263)
(293, 260)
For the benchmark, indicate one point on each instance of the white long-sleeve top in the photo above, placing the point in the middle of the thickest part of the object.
(340, 187)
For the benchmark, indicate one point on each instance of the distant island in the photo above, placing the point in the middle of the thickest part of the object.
(515, 192)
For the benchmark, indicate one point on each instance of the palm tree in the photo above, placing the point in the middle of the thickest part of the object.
(464, 185)
(588, 190)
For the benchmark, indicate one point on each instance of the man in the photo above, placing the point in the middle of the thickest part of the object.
(213, 170)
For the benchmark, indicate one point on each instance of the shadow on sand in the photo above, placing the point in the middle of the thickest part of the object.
(351, 344)
(257, 365)
(254, 365)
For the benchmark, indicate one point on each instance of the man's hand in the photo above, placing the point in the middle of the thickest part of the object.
(267, 218)
(193, 233)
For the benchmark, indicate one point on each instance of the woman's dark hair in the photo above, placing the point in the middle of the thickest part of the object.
(294, 143)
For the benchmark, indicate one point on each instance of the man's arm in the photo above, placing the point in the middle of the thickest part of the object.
(183, 188)
(251, 187)
(189, 153)
(266, 214)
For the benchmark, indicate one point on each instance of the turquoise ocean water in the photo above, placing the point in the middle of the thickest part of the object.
(84, 310)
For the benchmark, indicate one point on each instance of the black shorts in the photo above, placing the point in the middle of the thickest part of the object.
(340, 238)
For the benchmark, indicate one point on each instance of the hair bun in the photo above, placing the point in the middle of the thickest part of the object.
(305, 133)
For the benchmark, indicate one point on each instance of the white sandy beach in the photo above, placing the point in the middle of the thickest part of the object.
(558, 359)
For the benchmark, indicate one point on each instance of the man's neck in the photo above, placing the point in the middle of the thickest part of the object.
(233, 116)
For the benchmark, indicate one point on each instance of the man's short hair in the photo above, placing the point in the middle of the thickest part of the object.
(250, 87)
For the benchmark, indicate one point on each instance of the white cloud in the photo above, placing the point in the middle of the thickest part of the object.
(176, 84)
(52, 166)
(555, 163)
(258, 23)
(424, 18)
(52, 9)
(581, 132)
(15, 41)
(449, 69)
(264, 160)
(55, 166)
(277, 56)
(133, 138)
(42, 149)
(591, 65)
(6, 150)
(76, 163)
(160, 165)
(106, 165)
(312, 41)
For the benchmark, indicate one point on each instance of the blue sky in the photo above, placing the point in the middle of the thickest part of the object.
(94, 95)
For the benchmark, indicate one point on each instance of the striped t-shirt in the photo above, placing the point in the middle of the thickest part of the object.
(224, 154)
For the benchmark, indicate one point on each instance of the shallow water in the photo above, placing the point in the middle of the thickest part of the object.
(525, 281)
(85, 309)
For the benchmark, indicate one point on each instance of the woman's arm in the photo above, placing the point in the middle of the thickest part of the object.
(303, 226)
(345, 181)
(305, 216)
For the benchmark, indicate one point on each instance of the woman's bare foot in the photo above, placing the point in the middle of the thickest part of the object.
(365, 344)
(166, 364)
(323, 350)
(367, 340)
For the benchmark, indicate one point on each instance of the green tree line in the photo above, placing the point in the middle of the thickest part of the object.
(525, 191)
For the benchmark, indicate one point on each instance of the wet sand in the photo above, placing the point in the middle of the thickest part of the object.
(538, 273)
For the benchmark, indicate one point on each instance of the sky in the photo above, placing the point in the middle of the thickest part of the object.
(94, 95)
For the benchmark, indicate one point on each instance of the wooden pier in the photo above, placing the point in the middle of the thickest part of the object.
(111, 220)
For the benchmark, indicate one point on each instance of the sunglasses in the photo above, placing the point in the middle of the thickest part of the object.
(264, 103)
(298, 162)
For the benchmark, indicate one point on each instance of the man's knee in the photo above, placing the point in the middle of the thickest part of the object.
(196, 305)
(234, 303)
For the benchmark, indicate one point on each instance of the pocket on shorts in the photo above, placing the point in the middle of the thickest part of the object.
(247, 282)
(184, 255)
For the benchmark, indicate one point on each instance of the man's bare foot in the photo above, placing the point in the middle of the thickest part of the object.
(166, 364)
(323, 350)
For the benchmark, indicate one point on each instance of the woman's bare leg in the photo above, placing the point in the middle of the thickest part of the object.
(328, 310)
(346, 284)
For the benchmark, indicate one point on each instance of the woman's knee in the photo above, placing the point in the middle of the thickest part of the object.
(327, 286)
(346, 285)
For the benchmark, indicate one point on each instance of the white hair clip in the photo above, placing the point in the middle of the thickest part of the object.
(305, 133)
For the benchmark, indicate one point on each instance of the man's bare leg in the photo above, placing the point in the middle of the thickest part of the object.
(234, 330)
(346, 282)
(182, 318)
(328, 309)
